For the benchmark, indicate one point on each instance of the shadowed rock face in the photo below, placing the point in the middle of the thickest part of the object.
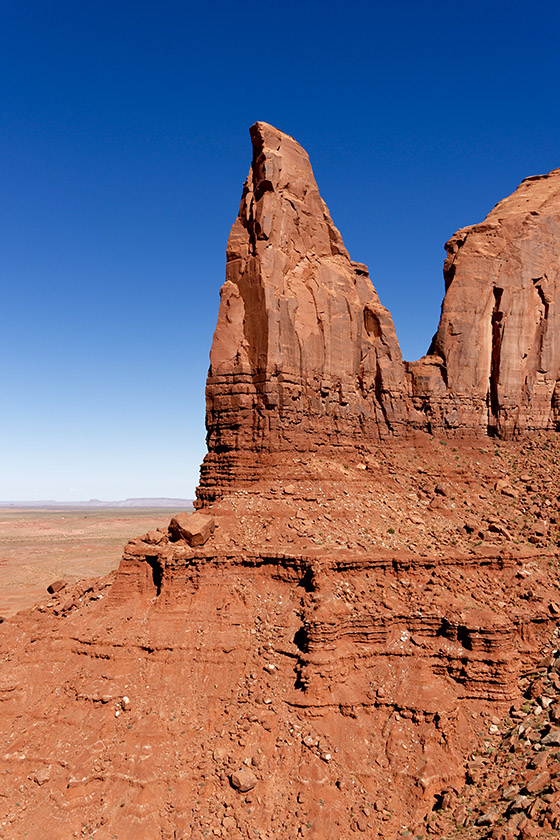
(304, 355)
(495, 359)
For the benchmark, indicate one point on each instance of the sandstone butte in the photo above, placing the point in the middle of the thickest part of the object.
(355, 635)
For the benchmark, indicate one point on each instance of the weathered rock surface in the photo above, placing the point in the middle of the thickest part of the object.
(494, 364)
(304, 354)
(347, 642)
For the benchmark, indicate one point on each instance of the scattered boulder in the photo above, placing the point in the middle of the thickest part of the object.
(43, 775)
(155, 537)
(195, 528)
(243, 780)
(552, 739)
(498, 528)
(504, 487)
(540, 528)
(538, 782)
(56, 586)
(555, 713)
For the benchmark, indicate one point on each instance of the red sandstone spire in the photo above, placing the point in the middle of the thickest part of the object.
(304, 355)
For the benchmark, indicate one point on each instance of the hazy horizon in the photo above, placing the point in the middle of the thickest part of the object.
(155, 501)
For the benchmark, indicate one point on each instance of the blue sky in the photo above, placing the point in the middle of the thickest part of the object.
(123, 148)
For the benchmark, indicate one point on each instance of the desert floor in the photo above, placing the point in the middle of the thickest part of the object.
(39, 545)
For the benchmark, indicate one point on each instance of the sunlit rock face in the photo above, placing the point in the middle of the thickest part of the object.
(304, 355)
(359, 634)
(495, 359)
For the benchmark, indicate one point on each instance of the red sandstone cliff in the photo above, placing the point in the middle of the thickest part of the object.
(305, 357)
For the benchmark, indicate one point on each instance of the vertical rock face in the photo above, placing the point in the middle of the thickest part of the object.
(494, 364)
(304, 355)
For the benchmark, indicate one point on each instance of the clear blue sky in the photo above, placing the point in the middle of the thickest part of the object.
(123, 148)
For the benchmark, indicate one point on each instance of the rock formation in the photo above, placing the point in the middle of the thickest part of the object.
(304, 355)
(334, 645)
(494, 364)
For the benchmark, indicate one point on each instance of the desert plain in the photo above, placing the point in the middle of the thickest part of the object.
(40, 545)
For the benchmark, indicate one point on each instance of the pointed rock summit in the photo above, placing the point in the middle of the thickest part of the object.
(304, 354)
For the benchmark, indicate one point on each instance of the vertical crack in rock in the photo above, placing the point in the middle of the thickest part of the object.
(157, 572)
(538, 286)
(542, 325)
(497, 327)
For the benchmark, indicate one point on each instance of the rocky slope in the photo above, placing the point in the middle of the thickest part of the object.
(338, 643)
(348, 639)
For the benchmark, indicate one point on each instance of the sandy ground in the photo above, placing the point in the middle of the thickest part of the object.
(38, 546)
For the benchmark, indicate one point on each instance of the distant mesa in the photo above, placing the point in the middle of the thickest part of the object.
(98, 503)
